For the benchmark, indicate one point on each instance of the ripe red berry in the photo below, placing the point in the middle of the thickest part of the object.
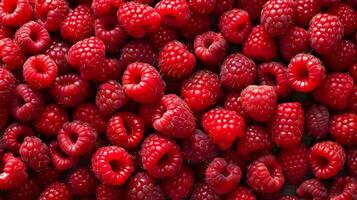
(274, 74)
(11, 54)
(233, 102)
(13, 136)
(13, 173)
(317, 119)
(82, 182)
(312, 188)
(56, 191)
(164, 35)
(254, 8)
(295, 41)
(346, 15)
(138, 51)
(106, 7)
(305, 10)
(15, 13)
(343, 188)
(255, 140)
(30, 190)
(196, 25)
(202, 7)
(7, 85)
(343, 57)
(136, 191)
(51, 13)
(235, 25)
(104, 192)
(34, 153)
(343, 128)
(173, 12)
(240, 192)
(90, 114)
(58, 51)
(110, 97)
(352, 161)
(59, 159)
(203, 191)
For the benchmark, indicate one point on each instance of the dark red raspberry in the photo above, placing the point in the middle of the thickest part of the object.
(233, 102)
(202, 7)
(56, 191)
(326, 32)
(7, 85)
(256, 139)
(58, 51)
(138, 19)
(223, 126)
(13, 173)
(203, 191)
(112, 165)
(352, 103)
(15, 13)
(343, 128)
(164, 35)
(235, 25)
(334, 90)
(30, 190)
(343, 57)
(47, 175)
(347, 16)
(69, 90)
(138, 51)
(82, 182)
(238, 71)
(223, 6)
(352, 161)
(104, 192)
(312, 188)
(179, 186)
(254, 8)
(59, 159)
(176, 61)
(317, 119)
(295, 41)
(13, 136)
(51, 13)
(196, 25)
(259, 45)
(110, 97)
(265, 174)
(90, 114)
(78, 24)
(274, 74)
(11, 55)
(343, 188)
(106, 7)
(173, 12)
(305, 10)
(34, 153)
(136, 191)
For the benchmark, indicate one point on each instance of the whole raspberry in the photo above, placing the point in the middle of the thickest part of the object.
(176, 61)
(78, 24)
(161, 156)
(255, 140)
(13, 136)
(15, 13)
(352, 103)
(240, 192)
(104, 192)
(352, 161)
(162, 36)
(11, 55)
(110, 97)
(51, 13)
(30, 190)
(173, 12)
(334, 90)
(7, 85)
(233, 102)
(235, 25)
(344, 56)
(326, 32)
(238, 71)
(13, 173)
(259, 45)
(56, 191)
(305, 10)
(179, 186)
(202, 7)
(59, 159)
(106, 7)
(317, 119)
(223, 126)
(90, 114)
(196, 25)
(326, 159)
(138, 19)
(312, 188)
(277, 16)
(343, 128)
(295, 41)
(125, 130)
(34, 153)
(265, 174)
(138, 51)
(58, 51)
(203, 191)
(346, 15)
(112, 165)
(136, 191)
(343, 188)
(287, 125)
(275, 75)
(82, 182)
(254, 7)
(32, 38)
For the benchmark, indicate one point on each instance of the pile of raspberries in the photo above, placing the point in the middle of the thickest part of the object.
(178, 99)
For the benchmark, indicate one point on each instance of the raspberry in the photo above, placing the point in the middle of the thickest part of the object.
(15, 13)
(13, 173)
(32, 38)
(235, 25)
(240, 192)
(223, 126)
(82, 182)
(162, 36)
(161, 156)
(90, 114)
(254, 8)
(352, 161)
(317, 120)
(259, 45)
(334, 91)
(287, 125)
(202, 7)
(110, 97)
(343, 57)
(138, 51)
(136, 191)
(343, 188)
(47, 175)
(173, 12)
(30, 190)
(233, 102)
(305, 11)
(13, 136)
(265, 174)
(58, 51)
(69, 90)
(346, 15)
(223, 176)
(125, 130)
(210, 48)
(196, 25)
(56, 191)
(343, 128)
(112, 165)
(312, 188)
(352, 103)
(11, 54)
(106, 7)
(6, 32)
(175, 60)
(203, 191)
(59, 159)
(7, 85)
(51, 13)
(255, 140)
(274, 74)
(326, 159)
(179, 186)
(34, 153)
(138, 19)
(104, 192)
(78, 24)
(277, 16)
(143, 83)
(326, 32)
(237, 72)
(295, 41)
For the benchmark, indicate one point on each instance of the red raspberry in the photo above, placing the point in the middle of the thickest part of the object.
(56, 191)
(287, 125)
(210, 48)
(240, 192)
(125, 130)
(112, 165)
(138, 19)
(254, 7)
(78, 24)
(173, 12)
(352, 103)
(34, 153)
(30, 190)
(110, 97)
(5, 31)
(305, 11)
(223, 176)
(27, 104)
(237, 72)
(305, 72)
(353, 71)
(347, 16)
(223, 126)
(136, 191)
(277, 16)
(312, 188)
(343, 128)
(317, 120)
(11, 54)
(203, 191)
(138, 51)
(265, 174)
(82, 182)
(90, 114)
(295, 41)
(59, 159)
(111, 69)
(274, 74)
(164, 35)
(176, 61)
(235, 25)
(106, 7)
(202, 7)
(326, 32)
(69, 90)
(343, 188)
(196, 25)
(344, 56)
(7, 85)
(352, 161)
(179, 186)
(104, 192)
(334, 91)
(13, 136)
(259, 45)
(58, 51)
(223, 6)
(13, 173)
(51, 13)
(233, 102)
(255, 140)
(326, 159)
(15, 13)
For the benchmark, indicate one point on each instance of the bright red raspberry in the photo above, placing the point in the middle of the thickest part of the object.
(343, 188)
(203, 191)
(305, 10)
(110, 97)
(104, 192)
(343, 128)
(138, 51)
(176, 61)
(15, 13)
(196, 25)
(112, 165)
(275, 75)
(173, 12)
(51, 13)
(295, 41)
(334, 91)
(136, 191)
(347, 16)
(138, 19)
(233, 102)
(223, 126)
(317, 119)
(11, 55)
(13, 136)
(125, 130)
(265, 174)
(240, 192)
(30, 190)
(312, 188)
(254, 8)
(344, 56)
(326, 159)
(259, 45)
(352, 103)
(255, 140)
(235, 25)
(106, 7)
(13, 173)
(162, 36)
(78, 24)
(7, 85)
(352, 161)
(179, 186)
(82, 182)
(56, 191)
(90, 114)
(202, 7)
(287, 125)
(58, 51)
(34, 153)
(59, 159)
(326, 32)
